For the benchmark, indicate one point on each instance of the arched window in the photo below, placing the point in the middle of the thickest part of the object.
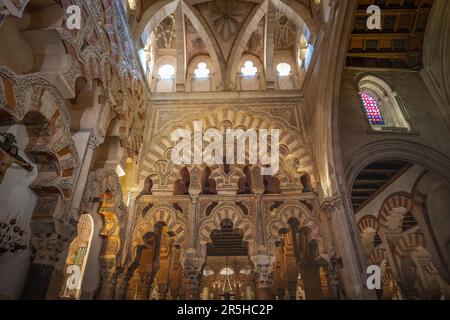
(382, 105)
(285, 79)
(202, 71)
(249, 69)
(250, 76)
(283, 69)
(166, 72)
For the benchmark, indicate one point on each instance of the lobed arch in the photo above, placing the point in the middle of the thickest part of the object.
(99, 182)
(158, 215)
(34, 102)
(260, 74)
(192, 66)
(287, 211)
(222, 118)
(232, 213)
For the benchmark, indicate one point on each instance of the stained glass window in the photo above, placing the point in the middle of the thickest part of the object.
(372, 109)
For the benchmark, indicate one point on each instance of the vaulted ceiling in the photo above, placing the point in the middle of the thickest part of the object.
(228, 30)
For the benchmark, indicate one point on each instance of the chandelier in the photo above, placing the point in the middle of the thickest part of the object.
(226, 284)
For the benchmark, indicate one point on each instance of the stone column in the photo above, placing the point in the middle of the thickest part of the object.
(192, 274)
(92, 143)
(292, 290)
(122, 281)
(108, 276)
(181, 48)
(191, 282)
(163, 290)
(47, 248)
(264, 269)
(194, 190)
(348, 247)
(144, 287)
(311, 281)
(258, 189)
(334, 284)
(269, 60)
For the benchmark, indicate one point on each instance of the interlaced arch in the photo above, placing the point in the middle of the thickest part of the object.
(232, 213)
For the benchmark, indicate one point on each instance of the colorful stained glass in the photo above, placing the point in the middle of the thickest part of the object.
(372, 109)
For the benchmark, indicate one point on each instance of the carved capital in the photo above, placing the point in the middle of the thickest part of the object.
(330, 205)
(47, 247)
(93, 142)
(264, 269)
(192, 270)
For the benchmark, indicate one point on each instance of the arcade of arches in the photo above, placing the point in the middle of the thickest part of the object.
(93, 206)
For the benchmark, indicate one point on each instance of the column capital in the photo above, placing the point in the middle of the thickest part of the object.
(94, 142)
(264, 268)
(47, 247)
(337, 202)
(192, 272)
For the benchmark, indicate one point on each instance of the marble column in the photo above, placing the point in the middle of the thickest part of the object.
(122, 281)
(264, 270)
(192, 274)
(108, 276)
(191, 282)
(92, 144)
(144, 287)
(311, 281)
(348, 247)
